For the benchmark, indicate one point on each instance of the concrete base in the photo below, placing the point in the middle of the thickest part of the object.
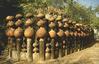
(23, 56)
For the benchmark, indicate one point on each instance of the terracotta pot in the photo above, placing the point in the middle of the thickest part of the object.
(47, 50)
(40, 15)
(74, 22)
(29, 32)
(7, 32)
(66, 25)
(65, 19)
(60, 24)
(10, 32)
(47, 16)
(71, 33)
(51, 19)
(82, 33)
(18, 16)
(78, 29)
(59, 18)
(52, 33)
(70, 21)
(9, 18)
(28, 15)
(10, 24)
(75, 33)
(28, 22)
(18, 32)
(60, 33)
(18, 23)
(67, 33)
(41, 32)
(40, 23)
(79, 34)
(52, 25)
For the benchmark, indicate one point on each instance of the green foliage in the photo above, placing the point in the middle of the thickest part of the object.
(97, 9)
(73, 9)
(33, 5)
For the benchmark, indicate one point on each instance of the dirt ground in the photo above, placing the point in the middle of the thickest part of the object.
(86, 56)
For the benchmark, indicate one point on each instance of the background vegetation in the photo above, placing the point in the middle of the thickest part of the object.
(72, 8)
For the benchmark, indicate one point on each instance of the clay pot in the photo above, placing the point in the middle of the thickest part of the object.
(18, 32)
(40, 15)
(35, 49)
(40, 23)
(18, 23)
(59, 18)
(60, 24)
(52, 33)
(10, 32)
(41, 32)
(77, 25)
(52, 25)
(79, 34)
(73, 22)
(78, 29)
(10, 24)
(67, 33)
(66, 25)
(28, 22)
(28, 15)
(47, 16)
(82, 33)
(9, 18)
(18, 16)
(47, 50)
(70, 21)
(51, 19)
(75, 33)
(60, 33)
(29, 32)
(71, 33)
(65, 20)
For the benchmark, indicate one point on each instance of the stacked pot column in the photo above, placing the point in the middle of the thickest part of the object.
(10, 33)
(52, 34)
(48, 48)
(60, 34)
(41, 35)
(18, 33)
(66, 32)
(29, 33)
(75, 36)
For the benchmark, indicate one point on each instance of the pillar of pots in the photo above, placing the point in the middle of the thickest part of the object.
(60, 34)
(41, 34)
(10, 34)
(52, 34)
(35, 51)
(60, 41)
(28, 33)
(66, 31)
(18, 35)
(66, 40)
